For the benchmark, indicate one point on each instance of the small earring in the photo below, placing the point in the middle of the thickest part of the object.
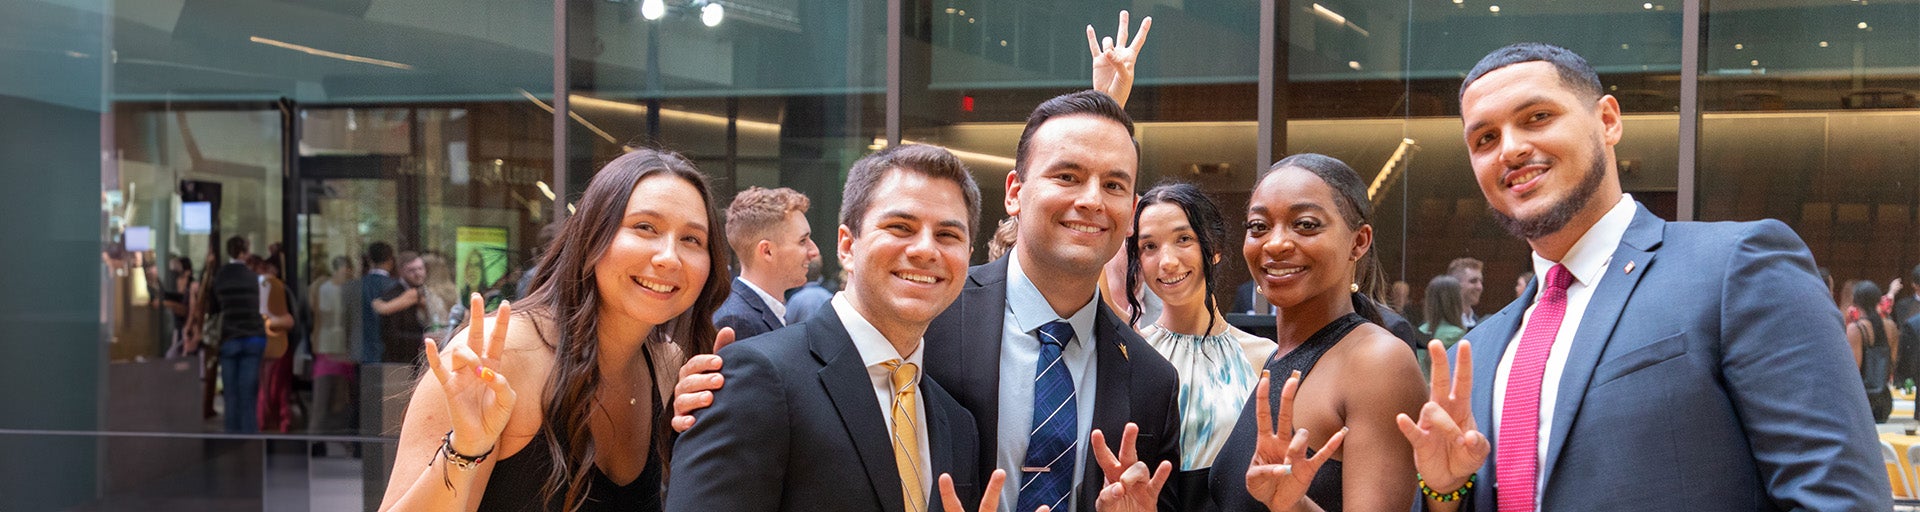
(1355, 287)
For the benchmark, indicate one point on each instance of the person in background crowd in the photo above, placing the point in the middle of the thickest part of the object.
(1399, 296)
(1869, 337)
(276, 365)
(1468, 271)
(1004, 235)
(377, 281)
(236, 300)
(1521, 283)
(556, 403)
(1179, 237)
(811, 297)
(333, 370)
(438, 302)
(770, 237)
(1443, 306)
(401, 309)
(1905, 310)
(541, 241)
(177, 296)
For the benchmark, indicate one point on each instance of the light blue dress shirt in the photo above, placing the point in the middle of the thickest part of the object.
(1027, 310)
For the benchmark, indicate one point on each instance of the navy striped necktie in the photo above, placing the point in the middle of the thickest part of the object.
(1047, 471)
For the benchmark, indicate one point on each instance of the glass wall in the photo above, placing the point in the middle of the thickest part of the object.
(1810, 116)
(314, 131)
(1371, 80)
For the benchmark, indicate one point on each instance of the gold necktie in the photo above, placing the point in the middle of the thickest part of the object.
(906, 444)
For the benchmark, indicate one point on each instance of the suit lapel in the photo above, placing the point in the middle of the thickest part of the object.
(1596, 327)
(844, 376)
(1111, 407)
(767, 320)
(984, 310)
(940, 447)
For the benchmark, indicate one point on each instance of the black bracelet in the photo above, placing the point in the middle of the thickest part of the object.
(456, 459)
(1445, 497)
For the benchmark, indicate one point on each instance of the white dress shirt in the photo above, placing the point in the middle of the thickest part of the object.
(875, 352)
(1587, 261)
(779, 307)
(1027, 310)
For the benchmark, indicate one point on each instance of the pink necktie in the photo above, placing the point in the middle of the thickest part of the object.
(1516, 458)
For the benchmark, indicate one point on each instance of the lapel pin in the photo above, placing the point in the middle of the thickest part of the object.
(1629, 269)
(1123, 352)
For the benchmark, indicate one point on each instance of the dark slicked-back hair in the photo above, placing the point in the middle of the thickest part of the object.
(930, 161)
(1209, 231)
(1573, 69)
(1084, 103)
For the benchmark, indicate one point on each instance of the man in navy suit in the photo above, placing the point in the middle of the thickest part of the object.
(1072, 190)
(833, 414)
(768, 232)
(1652, 365)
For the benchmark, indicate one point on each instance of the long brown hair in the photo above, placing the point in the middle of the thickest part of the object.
(564, 290)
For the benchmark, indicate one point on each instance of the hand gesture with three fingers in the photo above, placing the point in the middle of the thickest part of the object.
(1129, 488)
(699, 378)
(479, 401)
(989, 501)
(1447, 448)
(1281, 470)
(1113, 60)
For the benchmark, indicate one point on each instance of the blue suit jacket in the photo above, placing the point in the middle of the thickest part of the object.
(798, 428)
(963, 351)
(1706, 374)
(745, 313)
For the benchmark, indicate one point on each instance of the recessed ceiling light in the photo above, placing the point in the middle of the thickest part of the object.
(1823, 44)
(1493, 8)
(1753, 62)
(1738, 46)
(1354, 64)
(1647, 6)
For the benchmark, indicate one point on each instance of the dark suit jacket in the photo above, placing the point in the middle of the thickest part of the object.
(1904, 309)
(745, 313)
(963, 351)
(1702, 377)
(797, 428)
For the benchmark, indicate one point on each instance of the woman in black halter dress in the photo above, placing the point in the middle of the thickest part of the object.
(1308, 239)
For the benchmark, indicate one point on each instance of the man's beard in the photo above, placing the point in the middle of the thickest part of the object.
(1560, 212)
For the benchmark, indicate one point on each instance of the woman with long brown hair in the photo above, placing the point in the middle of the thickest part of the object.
(624, 295)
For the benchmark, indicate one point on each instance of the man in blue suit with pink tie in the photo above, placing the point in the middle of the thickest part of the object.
(1653, 365)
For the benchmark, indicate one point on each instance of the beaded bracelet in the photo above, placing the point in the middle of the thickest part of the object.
(1445, 497)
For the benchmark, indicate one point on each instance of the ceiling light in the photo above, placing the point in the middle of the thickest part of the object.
(1334, 17)
(1493, 9)
(1862, 25)
(1354, 64)
(1753, 63)
(653, 9)
(1647, 6)
(1738, 46)
(711, 14)
(949, 10)
(1823, 44)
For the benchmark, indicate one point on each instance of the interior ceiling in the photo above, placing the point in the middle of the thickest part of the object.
(455, 50)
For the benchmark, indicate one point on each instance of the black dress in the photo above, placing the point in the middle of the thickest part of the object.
(1229, 475)
(516, 481)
